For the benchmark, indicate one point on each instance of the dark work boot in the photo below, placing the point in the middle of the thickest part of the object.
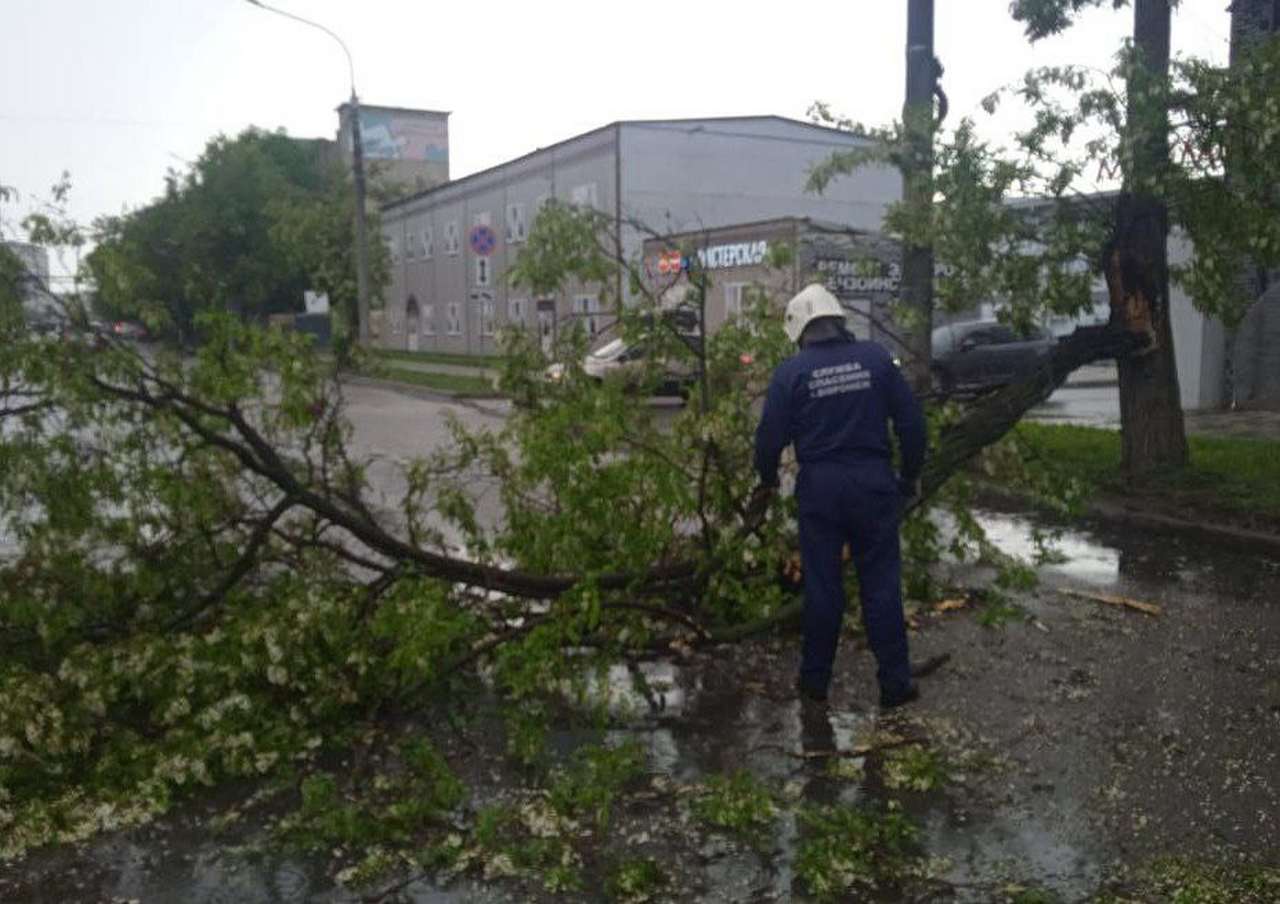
(893, 699)
(809, 692)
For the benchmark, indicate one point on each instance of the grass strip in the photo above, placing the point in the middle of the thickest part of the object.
(459, 384)
(1234, 474)
(392, 354)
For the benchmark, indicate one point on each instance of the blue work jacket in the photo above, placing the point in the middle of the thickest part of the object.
(833, 400)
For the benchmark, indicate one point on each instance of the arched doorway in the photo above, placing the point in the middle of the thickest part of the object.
(412, 324)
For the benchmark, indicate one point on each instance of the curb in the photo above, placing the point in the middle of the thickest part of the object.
(1111, 510)
(1090, 384)
(1115, 511)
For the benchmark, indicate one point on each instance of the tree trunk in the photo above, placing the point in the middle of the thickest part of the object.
(1136, 264)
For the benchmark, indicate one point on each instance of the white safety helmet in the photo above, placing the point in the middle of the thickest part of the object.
(810, 303)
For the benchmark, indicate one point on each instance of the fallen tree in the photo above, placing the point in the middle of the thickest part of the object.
(199, 585)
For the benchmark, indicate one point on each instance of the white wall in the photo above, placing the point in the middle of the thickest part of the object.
(685, 176)
(1197, 346)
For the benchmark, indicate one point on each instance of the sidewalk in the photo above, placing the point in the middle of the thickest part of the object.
(1094, 375)
(1247, 423)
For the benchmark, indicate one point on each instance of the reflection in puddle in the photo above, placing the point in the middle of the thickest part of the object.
(646, 687)
(1084, 558)
(1023, 841)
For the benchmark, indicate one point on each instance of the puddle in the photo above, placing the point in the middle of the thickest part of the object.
(1085, 558)
(1027, 843)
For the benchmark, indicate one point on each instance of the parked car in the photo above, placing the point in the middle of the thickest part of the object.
(131, 329)
(985, 354)
(627, 360)
(91, 335)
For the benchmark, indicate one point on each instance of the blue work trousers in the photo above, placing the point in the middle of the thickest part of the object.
(859, 505)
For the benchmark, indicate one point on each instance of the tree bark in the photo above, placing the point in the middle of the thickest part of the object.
(1136, 263)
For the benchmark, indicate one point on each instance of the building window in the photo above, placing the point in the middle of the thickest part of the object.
(484, 271)
(738, 298)
(428, 242)
(454, 318)
(486, 315)
(451, 237)
(393, 248)
(516, 308)
(587, 307)
(515, 223)
(428, 320)
(410, 245)
(584, 195)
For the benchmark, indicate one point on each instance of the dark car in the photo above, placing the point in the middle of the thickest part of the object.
(985, 354)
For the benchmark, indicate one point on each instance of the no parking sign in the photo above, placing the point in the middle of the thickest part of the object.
(482, 240)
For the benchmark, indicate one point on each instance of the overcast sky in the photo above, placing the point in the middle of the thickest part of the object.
(118, 91)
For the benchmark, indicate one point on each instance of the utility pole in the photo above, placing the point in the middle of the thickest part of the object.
(360, 323)
(362, 239)
(917, 177)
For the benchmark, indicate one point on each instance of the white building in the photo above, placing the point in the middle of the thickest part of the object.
(452, 245)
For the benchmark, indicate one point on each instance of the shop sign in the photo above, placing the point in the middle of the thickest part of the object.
(670, 262)
(740, 254)
(845, 277)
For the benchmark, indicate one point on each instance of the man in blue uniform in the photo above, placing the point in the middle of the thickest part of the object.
(833, 400)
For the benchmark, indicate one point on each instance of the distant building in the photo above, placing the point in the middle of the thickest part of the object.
(405, 150)
(38, 300)
(452, 245)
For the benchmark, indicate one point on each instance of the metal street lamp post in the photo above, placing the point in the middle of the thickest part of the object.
(357, 165)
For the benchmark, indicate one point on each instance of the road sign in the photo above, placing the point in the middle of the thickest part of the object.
(482, 240)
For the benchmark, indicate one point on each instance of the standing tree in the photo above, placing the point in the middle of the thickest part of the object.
(257, 219)
(1020, 224)
(1137, 259)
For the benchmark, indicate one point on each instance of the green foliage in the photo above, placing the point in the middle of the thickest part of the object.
(915, 768)
(392, 354)
(1086, 131)
(456, 384)
(530, 840)
(199, 589)
(393, 808)
(1185, 881)
(847, 852)
(636, 881)
(1238, 476)
(738, 802)
(563, 243)
(1049, 17)
(997, 611)
(588, 788)
(256, 220)
(1030, 895)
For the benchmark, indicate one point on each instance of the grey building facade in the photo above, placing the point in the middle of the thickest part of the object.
(452, 246)
(38, 300)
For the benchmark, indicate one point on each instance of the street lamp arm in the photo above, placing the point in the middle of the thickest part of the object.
(351, 68)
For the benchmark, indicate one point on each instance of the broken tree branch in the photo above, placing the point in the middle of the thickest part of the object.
(1110, 600)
